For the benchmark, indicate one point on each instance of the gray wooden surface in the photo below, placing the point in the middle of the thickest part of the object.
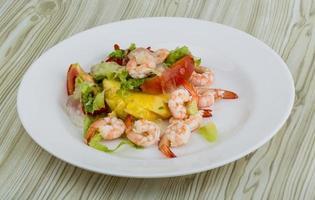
(284, 168)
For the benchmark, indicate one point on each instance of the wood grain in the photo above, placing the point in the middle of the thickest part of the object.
(284, 168)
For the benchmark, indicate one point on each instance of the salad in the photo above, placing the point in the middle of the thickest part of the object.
(132, 90)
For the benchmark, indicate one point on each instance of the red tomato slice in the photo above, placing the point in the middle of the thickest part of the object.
(171, 78)
(152, 85)
(73, 72)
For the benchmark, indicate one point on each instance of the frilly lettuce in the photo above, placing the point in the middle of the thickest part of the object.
(107, 70)
(176, 54)
(113, 71)
(95, 142)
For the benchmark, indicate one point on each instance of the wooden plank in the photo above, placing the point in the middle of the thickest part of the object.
(284, 168)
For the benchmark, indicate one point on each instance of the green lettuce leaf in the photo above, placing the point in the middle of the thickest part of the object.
(197, 61)
(113, 71)
(119, 53)
(87, 121)
(99, 101)
(131, 84)
(90, 96)
(209, 132)
(121, 75)
(95, 142)
(87, 96)
(106, 70)
(176, 54)
(132, 47)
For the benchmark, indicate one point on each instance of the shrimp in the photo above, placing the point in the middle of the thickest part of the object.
(205, 98)
(203, 79)
(160, 55)
(176, 134)
(109, 128)
(223, 94)
(160, 68)
(208, 96)
(143, 132)
(193, 121)
(177, 102)
(141, 63)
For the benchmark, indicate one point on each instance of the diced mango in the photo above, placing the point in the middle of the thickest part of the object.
(140, 105)
(153, 103)
(140, 112)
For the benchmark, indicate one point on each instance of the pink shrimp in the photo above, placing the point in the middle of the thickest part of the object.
(176, 134)
(143, 132)
(160, 55)
(207, 96)
(202, 79)
(109, 128)
(193, 121)
(177, 102)
(141, 63)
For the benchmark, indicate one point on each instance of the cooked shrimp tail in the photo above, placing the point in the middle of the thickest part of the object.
(207, 113)
(224, 94)
(176, 134)
(164, 147)
(128, 122)
(190, 88)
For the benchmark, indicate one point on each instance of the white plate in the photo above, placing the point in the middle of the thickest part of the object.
(241, 63)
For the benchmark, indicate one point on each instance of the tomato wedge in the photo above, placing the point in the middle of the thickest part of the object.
(73, 72)
(171, 78)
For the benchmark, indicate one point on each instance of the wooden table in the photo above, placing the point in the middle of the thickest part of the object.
(284, 168)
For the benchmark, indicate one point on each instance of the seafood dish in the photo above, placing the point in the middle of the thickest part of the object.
(132, 91)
